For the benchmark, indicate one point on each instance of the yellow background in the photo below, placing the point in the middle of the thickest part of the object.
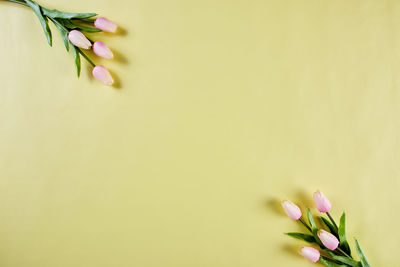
(222, 108)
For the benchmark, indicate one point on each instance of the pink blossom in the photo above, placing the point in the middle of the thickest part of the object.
(329, 240)
(322, 202)
(310, 253)
(105, 24)
(291, 209)
(101, 49)
(79, 39)
(102, 74)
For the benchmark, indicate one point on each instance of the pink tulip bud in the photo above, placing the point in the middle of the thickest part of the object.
(329, 240)
(310, 253)
(79, 39)
(102, 74)
(105, 25)
(322, 202)
(100, 49)
(291, 209)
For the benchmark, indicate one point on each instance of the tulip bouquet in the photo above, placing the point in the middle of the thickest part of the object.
(330, 245)
(72, 27)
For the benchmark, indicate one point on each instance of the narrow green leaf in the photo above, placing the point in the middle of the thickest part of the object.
(64, 35)
(311, 221)
(342, 234)
(43, 20)
(54, 13)
(343, 259)
(331, 227)
(77, 59)
(63, 32)
(91, 21)
(364, 262)
(314, 228)
(18, 2)
(301, 236)
(330, 263)
(85, 56)
(67, 23)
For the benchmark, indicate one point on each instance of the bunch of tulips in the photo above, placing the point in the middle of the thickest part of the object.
(72, 27)
(329, 245)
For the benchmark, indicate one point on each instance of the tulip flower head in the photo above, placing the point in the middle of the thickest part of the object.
(100, 49)
(79, 39)
(292, 210)
(310, 253)
(105, 25)
(322, 202)
(329, 240)
(103, 75)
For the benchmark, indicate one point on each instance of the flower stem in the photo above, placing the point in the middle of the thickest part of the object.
(332, 220)
(86, 20)
(57, 23)
(305, 224)
(17, 2)
(344, 253)
(86, 57)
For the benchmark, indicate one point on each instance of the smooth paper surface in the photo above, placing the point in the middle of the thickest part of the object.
(221, 109)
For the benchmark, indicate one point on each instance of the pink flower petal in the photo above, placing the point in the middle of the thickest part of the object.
(79, 39)
(101, 49)
(105, 24)
(102, 74)
(310, 253)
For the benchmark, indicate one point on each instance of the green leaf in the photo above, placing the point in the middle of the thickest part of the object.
(342, 234)
(67, 23)
(311, 221)
(343, 259)
(329, 263)
(66, 15)
(304, 237)
(63, 33)
(331, 227)
(91, 21)
(364, 262)
(77, 59)
(314, 228)
(43, 20)
(85, 56)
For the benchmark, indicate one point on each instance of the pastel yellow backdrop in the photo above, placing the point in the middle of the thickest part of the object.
(222, 108)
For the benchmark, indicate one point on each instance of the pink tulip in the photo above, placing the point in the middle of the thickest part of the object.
(309, 253)
(103, 75)
(329, 240)
(322, 202)
(105, 25)
(100, 49)
(79, 39)
(291, 209)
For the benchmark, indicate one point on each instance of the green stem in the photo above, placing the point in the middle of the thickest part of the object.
(17, 2)
(332, 220)
(305, 224)
(85, 56)
(344, 253)
(56, 22)
(86, 20)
